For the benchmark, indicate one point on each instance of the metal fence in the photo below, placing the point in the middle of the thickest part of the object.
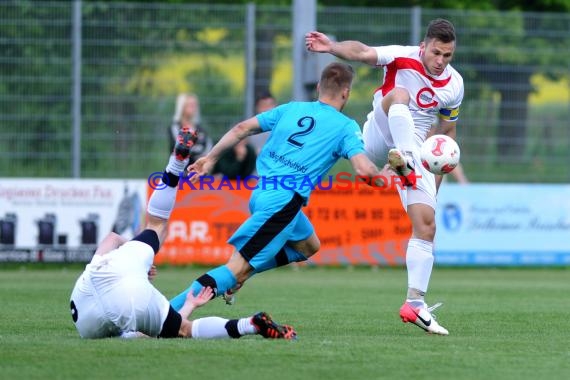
(112, 71)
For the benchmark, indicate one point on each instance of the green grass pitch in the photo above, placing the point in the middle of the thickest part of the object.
(503, 323)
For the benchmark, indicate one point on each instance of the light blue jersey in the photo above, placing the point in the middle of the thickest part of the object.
(306, 140)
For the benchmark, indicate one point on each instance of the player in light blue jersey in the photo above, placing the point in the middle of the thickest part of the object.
(306, 140)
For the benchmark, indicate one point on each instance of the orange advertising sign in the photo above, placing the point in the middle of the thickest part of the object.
(363, 226)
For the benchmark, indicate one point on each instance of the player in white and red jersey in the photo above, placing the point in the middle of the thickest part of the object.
(420, 89)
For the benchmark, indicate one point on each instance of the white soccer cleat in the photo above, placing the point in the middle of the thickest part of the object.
(230, 295)
(418, 313)
(403, 165)
(229, 298)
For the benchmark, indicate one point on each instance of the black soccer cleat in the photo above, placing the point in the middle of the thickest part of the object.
(268, 328)
(184, 142)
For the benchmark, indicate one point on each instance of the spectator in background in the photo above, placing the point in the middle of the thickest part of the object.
(240, 160)
(187, 114)
(237, 162)
(129, 214)
(263, 102)
(459, 175)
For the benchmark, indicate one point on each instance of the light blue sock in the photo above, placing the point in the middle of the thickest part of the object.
(220, 279)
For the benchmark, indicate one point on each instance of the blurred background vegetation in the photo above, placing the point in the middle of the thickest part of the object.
(138, 56)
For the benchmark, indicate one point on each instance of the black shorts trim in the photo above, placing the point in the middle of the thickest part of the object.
(272, 227)
(149, 237)
(171, 325)
(281, 258)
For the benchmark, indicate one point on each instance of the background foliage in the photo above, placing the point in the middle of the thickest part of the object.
(137, 56)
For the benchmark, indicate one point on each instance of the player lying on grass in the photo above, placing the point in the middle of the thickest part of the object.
(306, 139)
(114, 297)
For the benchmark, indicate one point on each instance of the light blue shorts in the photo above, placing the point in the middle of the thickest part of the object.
(276, 218)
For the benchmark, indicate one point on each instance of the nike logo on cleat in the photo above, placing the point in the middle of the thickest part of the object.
(427, 323)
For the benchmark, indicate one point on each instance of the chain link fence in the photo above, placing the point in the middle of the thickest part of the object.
(135, 58)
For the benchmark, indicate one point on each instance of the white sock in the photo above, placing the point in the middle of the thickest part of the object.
(163, 198)
(176, 166)
(245, 327)
(162, 201)
(215, 328)
(419, 261)
(401, 127)
(209, 328)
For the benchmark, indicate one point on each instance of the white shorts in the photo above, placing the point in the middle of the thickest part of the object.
(377, 145)
(113, 294)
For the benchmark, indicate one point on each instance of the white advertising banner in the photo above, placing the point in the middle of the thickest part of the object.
(503, 224)
(51, 214)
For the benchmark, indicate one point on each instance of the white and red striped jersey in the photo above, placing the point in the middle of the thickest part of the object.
(430, 97)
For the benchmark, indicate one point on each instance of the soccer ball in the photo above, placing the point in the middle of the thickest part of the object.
(440, 154)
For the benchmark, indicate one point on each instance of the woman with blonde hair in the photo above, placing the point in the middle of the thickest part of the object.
(187, 114)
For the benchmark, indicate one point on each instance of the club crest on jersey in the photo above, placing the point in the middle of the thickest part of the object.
(425, 98)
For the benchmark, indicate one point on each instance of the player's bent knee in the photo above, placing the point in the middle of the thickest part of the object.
(400, 95)
(313, 248)
(395, 96)
(314, 245)
(307, 247)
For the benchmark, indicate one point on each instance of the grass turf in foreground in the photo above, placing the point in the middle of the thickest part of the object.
(503, 323)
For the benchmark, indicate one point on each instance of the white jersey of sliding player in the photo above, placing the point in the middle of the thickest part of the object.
(430, 96)
(114, 296)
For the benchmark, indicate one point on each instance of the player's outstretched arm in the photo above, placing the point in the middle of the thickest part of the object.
(193, 302)
(350, 50)
(133, 335)
(365, 168)
(459, 174)
(110, 242)
(240, 131)
(203, 166)
(152, 272)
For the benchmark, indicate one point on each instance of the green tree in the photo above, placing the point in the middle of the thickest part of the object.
(517, 38)
(35, 86)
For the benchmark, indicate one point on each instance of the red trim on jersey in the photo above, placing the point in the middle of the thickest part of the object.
(404, 63)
